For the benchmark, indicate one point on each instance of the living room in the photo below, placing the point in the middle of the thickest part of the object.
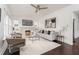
(38, 25)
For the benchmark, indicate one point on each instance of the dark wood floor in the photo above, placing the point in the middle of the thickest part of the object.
(64, 49)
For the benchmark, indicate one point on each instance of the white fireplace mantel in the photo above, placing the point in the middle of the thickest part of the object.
(24, 28)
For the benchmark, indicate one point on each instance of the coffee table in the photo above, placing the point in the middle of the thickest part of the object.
(34, 38)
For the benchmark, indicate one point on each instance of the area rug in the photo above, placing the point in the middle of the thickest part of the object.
(37, 47)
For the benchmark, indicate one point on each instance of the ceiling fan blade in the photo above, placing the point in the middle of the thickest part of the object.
(44, 8)
(38, 6)
(33, 6)
(36, 10)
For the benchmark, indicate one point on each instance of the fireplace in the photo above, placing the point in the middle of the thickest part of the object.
(27, 32)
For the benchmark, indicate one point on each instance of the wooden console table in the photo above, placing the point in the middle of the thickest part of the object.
(15, 43)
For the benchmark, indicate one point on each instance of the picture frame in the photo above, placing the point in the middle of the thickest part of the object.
(50, 23)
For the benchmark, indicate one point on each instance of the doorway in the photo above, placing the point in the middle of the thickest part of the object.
(76, 26)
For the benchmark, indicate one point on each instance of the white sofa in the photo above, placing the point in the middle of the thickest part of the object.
(51, 36)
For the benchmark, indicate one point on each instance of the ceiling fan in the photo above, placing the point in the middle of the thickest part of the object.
(38, 8)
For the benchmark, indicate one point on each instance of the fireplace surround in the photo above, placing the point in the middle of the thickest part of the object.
(27, 33)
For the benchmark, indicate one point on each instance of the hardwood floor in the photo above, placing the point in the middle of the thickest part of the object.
(65, 49)
(16, 53)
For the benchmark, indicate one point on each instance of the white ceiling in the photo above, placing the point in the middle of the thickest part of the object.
(27, 11)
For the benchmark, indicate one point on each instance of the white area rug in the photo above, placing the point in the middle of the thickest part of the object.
(37, 47)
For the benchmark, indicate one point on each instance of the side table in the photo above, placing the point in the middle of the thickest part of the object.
(60, 38)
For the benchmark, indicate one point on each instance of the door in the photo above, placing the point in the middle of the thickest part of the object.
(73, 30)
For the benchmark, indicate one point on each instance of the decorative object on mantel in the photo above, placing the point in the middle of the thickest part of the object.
(50, 23)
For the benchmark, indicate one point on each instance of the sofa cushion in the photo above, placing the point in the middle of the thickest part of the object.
(49, 32)
(42, 31)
